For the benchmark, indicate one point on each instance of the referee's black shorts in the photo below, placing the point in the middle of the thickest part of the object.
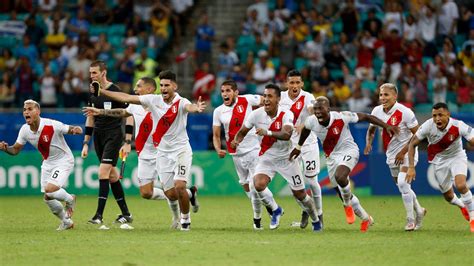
(107, 145)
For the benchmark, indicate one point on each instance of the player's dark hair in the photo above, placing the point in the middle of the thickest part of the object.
(274, 87)
(167, 74)
(149, 81)
(99, 63)
(293, 73)
(230, 83)
(437, 106)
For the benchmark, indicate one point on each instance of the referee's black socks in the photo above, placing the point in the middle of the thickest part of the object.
(103, 194)
(120, 197)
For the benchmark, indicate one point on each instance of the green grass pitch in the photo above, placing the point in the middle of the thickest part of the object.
(222, 234)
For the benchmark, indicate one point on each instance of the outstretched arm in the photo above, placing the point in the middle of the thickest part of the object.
(411, 173)
(369, 138)
(12, 150)
(118, 112)
(118, 96)
(74, 130)
(374, 120)
(196, 107)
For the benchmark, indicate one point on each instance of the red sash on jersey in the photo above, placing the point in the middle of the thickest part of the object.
(44, 141)
(332, 137)
(237, 120)
(443, 143)
(394, 120)
(297, 107)
(267, 141)
(143, 132)
(165, 123)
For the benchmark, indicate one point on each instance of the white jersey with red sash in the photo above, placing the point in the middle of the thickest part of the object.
(270, 146)
(169, 122)
(143, 131)
(336, 137)
(402, 117)
(447, 143)
(299, 107)
(49, 140)
(233, 117)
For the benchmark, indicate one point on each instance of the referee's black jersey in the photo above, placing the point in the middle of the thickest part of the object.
(103, 122)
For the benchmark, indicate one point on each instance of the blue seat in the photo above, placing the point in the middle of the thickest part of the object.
(424, 108)
(300, 63)
(467, 108)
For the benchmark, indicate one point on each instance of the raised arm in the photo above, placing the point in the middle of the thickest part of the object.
(12, 150)
(216, 140)
(374, 120)
(196, 107)
(411, 173)
(369, 138)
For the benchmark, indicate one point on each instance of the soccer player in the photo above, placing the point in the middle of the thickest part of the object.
(232, 114)
(47, 136)
(396, 148)
(108, 139)
(146, 151)
(300, 103)
(275, 126)
(169, 113)
(342, 153)
(448, 157)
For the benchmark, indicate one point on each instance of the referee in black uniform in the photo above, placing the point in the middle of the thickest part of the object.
(108, 137)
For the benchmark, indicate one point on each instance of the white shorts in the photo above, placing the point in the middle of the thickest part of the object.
(56, 175)
(349, 159)
(147, 172)
(172, 166)
(290, 170)
(245, 166)
(309, 158)
(445, 172)
(395, 169)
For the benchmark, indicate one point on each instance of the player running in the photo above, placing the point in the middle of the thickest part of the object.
(274, 127)
(169, 113)
(47, 135)
(448, 157)
(342, 153)
(232, 114)
(396, 148)
(300, 103)
(146, 151)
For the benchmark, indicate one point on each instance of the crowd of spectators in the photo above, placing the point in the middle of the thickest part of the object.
(346, 49)
(46, 46)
